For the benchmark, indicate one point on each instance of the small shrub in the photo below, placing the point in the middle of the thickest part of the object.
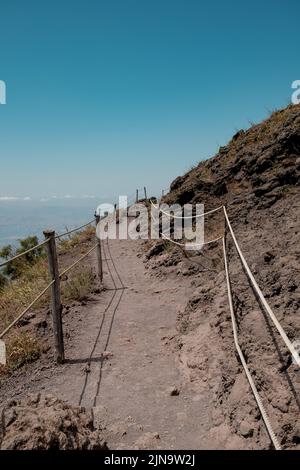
(21, 348)
(80, 286)
(16, 268)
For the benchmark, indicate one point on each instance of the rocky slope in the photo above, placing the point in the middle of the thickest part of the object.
(258, 166)
(257, 177)
(47, 423)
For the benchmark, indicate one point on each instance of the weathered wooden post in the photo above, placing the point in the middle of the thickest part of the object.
(56, 306)
(162, 193)
(137, 196)
(145, 192)
(99, 251)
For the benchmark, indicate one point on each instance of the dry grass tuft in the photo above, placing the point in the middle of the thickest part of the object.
(79, 287)
(21, 349)
(85, 236)
(19, 293)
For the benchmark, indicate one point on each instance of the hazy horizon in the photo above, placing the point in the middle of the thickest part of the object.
(19, 219)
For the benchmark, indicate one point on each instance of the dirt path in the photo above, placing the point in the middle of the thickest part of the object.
(121, 359)
(131, 387)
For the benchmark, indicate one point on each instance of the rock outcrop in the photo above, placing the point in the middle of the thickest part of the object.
(47, 423)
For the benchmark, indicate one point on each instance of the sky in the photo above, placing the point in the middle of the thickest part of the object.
(104, 97)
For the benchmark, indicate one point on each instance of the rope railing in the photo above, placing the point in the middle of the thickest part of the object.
(16, 320)
(56, 276)
(24, 253)
(242, 358)
(50, 241)
(39, 245)
(63, 273)
(264, 303)
(261, 296)
(184, 245)
(172, 216)
(61, 235)
(263, 300)
(192, 245)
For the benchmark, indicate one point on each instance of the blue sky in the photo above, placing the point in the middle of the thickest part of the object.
(107, 96)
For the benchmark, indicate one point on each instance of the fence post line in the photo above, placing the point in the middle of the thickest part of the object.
(56, 306)
(99, 251)
(145, 192)
(137, 196)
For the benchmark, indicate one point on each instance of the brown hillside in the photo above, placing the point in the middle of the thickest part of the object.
(257, 177)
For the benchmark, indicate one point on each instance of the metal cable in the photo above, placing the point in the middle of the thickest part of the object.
(25, 252)
(261, 296)
(240, 353)
(26, 310)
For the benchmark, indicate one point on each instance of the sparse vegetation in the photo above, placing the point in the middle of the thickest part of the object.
(15, 269)
(21, 348)
(79, 287)
(19, 293)
(22, 281)
(83, 236)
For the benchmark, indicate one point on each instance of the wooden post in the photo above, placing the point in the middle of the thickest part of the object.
(137, 196)
(99, 251)
(162, 193)
(145, 191)
(56, 306)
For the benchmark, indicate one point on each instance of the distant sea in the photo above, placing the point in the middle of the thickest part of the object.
(19, 219)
